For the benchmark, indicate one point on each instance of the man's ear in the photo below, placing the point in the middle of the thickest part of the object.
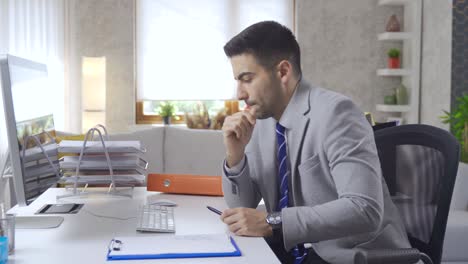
(285, 70)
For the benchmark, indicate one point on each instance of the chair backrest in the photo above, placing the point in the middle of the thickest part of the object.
(419, 164)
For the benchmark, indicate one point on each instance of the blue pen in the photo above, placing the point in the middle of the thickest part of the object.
(214, 210)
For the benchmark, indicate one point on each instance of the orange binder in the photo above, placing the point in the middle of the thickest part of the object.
(185, 184)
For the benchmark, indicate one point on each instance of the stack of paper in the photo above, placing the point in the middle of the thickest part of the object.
(128, 166)
(75, 146)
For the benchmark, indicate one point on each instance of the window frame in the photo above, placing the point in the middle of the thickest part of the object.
(232, 106)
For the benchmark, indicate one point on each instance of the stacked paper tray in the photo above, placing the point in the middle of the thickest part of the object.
(75, 146)
(125, 180)
(129, 168)
(124, 162)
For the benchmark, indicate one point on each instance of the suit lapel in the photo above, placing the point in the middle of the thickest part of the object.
(295, 120)
(296, 137)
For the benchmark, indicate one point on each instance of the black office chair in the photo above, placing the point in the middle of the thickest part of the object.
(419, 164)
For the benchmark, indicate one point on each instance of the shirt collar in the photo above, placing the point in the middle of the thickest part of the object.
(298, 105)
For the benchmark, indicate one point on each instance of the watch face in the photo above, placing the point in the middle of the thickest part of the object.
(274, 219)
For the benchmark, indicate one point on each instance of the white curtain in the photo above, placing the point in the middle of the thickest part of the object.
(33, 29)
(180, 44)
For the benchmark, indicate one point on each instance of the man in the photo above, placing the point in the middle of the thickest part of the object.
(308, 152)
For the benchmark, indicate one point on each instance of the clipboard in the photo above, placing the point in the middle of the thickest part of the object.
(166, 247)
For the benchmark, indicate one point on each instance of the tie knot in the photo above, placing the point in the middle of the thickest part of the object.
(280, 129)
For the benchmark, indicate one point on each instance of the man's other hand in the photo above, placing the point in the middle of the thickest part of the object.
(247, 222)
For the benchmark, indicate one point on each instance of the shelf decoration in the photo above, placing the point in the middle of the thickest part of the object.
(393, 58)
(393, 25)
(401, 94)
(390, 99)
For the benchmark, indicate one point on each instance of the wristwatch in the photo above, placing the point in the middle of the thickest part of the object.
(274, 220)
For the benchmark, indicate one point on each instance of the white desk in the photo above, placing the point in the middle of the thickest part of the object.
(83, 238)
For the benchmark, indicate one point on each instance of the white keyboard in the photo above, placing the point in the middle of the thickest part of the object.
(156, 218)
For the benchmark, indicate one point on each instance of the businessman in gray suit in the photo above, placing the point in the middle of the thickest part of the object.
(308, 152)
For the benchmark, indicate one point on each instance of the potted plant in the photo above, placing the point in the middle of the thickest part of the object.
(393, 58)
(166, 110)
(458, 120)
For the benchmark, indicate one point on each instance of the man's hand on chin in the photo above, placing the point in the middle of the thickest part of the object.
(247, 222)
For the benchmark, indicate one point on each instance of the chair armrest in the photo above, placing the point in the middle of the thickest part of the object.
(384, 256)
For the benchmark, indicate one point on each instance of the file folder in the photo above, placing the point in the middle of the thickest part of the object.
(164, 247)
(185, 184)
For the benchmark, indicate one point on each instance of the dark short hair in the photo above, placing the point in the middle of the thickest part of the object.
(269, 42)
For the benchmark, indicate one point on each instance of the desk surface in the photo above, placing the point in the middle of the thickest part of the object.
(84, 237)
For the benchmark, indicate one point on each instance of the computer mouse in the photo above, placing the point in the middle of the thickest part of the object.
(164, 202)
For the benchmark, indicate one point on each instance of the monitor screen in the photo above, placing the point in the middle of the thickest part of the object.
(28, 103)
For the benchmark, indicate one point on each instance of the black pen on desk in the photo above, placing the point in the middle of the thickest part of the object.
(214, 210)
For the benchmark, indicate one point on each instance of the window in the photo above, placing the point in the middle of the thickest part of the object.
(34, 30)
(180, 43)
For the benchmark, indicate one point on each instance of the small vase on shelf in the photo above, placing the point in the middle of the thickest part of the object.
(393, 63)
(393, 25)
(390, 99)
(401, 95)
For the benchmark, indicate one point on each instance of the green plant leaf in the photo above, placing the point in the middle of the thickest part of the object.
(457, 120)
(166, 108)
(393, 53)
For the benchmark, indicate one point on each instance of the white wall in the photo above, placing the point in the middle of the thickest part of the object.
(436, 61)
(340, 50)
(339, 45)
(104, 28)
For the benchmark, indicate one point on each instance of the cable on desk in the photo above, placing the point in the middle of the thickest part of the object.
(108, 217)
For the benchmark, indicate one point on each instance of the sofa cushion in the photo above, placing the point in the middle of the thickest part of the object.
(456, 237)
(460, 195)
(193, 151)
(152, 140)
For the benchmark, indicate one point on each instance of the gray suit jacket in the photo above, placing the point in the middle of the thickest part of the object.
(338, 199)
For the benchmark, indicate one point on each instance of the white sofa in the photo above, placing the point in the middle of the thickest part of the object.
(456, 234)
(181, 150)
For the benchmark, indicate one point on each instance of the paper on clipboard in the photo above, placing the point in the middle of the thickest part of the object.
(189, 246)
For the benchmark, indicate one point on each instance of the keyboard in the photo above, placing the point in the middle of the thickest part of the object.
(156, 218)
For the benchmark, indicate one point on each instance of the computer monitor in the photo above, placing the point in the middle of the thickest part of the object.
(28, 108)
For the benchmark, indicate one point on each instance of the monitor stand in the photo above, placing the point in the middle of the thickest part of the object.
(38, 222)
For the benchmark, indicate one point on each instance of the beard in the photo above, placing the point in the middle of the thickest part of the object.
(259, 111)
(268, 99)
(262, 114)
(266, 108)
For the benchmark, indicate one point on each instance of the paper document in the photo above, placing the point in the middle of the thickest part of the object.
(75, 146)
(100, 179)
(100, 162)
(189, 246)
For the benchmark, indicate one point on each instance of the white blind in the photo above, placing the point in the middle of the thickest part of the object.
(33, 29)
(180, 44)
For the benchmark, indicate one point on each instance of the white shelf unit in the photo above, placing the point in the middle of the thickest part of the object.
(393, 108)
(411, 58)
(393, 72)
(394, 2)
(395, 36)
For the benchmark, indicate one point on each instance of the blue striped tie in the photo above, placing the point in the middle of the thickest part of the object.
(283, 172)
